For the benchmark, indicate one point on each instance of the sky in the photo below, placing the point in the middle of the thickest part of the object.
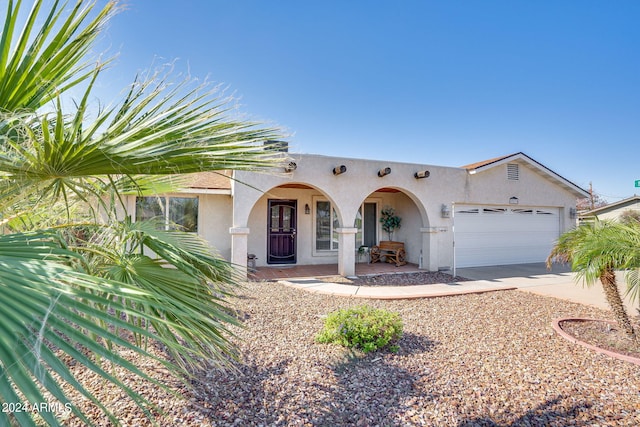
(444, 83)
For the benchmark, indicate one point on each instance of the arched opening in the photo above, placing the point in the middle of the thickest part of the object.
(370, 225)
(294, 224)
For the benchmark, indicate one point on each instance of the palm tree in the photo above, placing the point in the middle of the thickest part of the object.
(73, 277)
(596, 251)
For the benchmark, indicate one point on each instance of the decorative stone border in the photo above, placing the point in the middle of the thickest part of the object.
(571, 338)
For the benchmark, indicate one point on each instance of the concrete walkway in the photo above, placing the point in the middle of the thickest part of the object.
(535, 278)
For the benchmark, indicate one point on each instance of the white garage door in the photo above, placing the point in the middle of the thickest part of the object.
(490, 235)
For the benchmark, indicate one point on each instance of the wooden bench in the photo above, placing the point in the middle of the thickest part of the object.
(393, 252)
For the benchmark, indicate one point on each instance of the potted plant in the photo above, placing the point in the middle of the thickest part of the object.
(390, 221)
(362, 252)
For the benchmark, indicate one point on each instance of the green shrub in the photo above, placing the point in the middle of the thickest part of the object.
(363, 327)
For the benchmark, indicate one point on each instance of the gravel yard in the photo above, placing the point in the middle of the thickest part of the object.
(490, 359)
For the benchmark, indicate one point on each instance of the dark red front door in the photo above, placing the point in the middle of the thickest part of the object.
(281, 239)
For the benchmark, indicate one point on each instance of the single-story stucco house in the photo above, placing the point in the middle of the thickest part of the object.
(614, 211)
(321, 209)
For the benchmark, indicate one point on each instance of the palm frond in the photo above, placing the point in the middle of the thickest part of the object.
(191, 280)
(595, 247)
(71, 288)
(152, 134)
(38, 63)
(49, 305)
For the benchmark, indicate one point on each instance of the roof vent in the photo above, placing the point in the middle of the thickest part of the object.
(513, 172)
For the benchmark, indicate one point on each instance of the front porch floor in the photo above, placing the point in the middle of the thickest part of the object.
(279, 272)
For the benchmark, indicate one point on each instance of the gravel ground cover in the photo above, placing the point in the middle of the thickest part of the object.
(489, 359)
(396, 279)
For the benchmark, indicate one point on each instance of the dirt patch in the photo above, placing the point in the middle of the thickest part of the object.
(603, 335)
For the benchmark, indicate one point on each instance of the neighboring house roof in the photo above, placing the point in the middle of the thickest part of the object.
(622, 204)
(531, 164)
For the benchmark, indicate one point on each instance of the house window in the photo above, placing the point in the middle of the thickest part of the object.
(326, 225)
(513, 172)
(179, 213)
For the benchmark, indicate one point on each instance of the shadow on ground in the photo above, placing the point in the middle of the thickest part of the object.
(558, 411)
(361, 393)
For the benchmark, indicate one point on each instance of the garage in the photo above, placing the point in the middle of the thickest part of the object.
(497, 235)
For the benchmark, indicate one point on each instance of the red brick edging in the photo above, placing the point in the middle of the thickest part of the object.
(571, 338)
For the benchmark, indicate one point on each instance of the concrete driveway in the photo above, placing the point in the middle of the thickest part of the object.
(558, 282)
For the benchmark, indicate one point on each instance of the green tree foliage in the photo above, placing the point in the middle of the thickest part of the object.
(73, 274)
(596, 251)
(390, 221)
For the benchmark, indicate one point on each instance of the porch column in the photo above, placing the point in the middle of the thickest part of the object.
(347, 251)
(239, 246)
(429, 248)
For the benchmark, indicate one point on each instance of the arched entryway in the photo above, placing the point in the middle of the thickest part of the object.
(294, 224)
(413, 222)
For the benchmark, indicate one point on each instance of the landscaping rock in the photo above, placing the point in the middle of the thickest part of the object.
(471, 360)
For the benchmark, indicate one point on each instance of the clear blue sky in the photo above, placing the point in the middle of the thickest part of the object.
(434, 82)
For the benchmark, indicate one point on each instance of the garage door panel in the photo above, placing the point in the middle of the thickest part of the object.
(504, 235)
(518, 239)
(498, 256)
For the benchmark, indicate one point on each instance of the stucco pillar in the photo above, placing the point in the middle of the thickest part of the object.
(239, 246)
(347, 251)
(429, 248)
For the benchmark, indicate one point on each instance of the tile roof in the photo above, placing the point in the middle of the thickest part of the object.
(487, 162)
(211, 180)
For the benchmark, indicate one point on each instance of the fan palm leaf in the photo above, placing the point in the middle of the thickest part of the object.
(79, 291)
(39, 62)
(184, 274)
(53, 306)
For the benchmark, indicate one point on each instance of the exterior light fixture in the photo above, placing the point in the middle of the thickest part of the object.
(422, 174)
(307, 209)
(383, 172)
(291, 167)
(445, 212)
(513, 201)
(573, 213)
(339, 169)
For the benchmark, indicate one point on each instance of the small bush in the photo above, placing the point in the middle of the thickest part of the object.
(363, 327)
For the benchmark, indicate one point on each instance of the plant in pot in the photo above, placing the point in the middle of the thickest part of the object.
(362, 252)
(390, 221)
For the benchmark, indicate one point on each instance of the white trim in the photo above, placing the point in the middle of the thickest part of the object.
(205, 191)
(220, 191)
